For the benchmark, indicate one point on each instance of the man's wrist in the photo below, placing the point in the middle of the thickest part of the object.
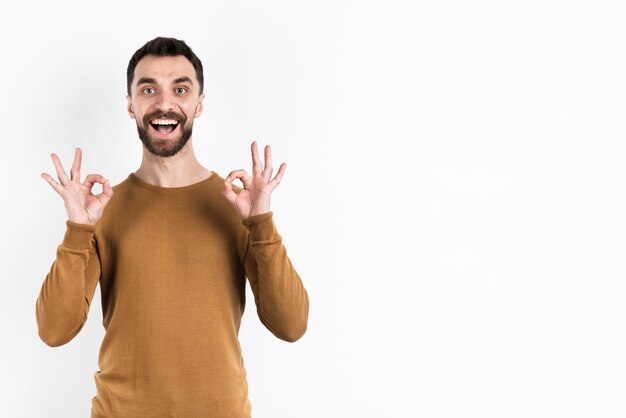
(261, 226)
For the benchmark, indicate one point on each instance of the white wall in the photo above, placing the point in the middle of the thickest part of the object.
(453, 198)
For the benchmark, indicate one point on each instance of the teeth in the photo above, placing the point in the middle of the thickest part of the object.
(164, 122)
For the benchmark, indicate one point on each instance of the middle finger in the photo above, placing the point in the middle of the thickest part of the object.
(268, 163)
(257, 168)
(75, 172)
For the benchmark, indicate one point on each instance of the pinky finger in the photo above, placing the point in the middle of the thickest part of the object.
(276, 180)
(56, 186)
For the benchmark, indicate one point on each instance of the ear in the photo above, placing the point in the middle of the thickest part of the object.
(200, 105)
(131, 111)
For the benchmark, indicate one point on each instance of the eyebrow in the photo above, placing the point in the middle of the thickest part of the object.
(148, 80)
(184, 79)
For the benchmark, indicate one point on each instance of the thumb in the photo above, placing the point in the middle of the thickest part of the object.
(107, 193)
(228, 192)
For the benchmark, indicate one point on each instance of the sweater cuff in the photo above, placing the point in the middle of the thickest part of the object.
(261, 227)
(78, 236)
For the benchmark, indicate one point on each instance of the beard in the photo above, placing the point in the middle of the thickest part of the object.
(164, 147)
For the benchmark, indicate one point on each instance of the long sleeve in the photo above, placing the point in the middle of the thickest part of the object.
(66, 293)
(281, 300)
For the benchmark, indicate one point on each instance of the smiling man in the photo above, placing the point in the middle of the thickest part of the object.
(164, 129)
(171, 247)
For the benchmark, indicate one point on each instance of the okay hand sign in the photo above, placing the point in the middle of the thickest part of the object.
(254, 198)
(82, 206)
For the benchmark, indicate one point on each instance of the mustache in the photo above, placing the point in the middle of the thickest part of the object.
(164, 115)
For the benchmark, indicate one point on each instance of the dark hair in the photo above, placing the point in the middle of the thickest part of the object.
(163, 47)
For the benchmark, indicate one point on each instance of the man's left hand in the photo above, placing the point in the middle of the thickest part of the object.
(254, 198)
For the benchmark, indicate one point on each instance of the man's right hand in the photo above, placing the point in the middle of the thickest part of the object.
(82, 206)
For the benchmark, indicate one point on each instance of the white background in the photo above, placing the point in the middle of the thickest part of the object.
(453, 198)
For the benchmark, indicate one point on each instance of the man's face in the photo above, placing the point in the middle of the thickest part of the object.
(164, 101)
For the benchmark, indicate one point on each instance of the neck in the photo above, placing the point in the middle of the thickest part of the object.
(178, 170)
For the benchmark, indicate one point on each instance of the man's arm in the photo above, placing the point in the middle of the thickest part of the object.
(66, 293)
(281, 300)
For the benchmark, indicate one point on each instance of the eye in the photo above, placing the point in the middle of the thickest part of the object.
(181, 90)
(148, 90)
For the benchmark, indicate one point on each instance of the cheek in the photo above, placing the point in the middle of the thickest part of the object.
(141, 105)
(140, 112)
(197, 109)
(190, 111)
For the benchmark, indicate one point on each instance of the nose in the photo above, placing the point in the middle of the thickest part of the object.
(164, 102)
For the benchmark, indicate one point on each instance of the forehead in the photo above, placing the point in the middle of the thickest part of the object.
(164, 69)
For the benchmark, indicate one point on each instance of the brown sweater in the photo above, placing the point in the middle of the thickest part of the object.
(172, 266)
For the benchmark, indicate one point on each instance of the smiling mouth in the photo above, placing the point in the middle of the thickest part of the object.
(164, 127)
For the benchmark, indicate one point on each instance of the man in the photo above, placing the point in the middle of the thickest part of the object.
(171, 247)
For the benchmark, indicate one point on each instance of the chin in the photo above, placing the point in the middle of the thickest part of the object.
(164, 147)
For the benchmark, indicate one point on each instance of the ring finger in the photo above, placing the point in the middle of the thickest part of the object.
(60, 171)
